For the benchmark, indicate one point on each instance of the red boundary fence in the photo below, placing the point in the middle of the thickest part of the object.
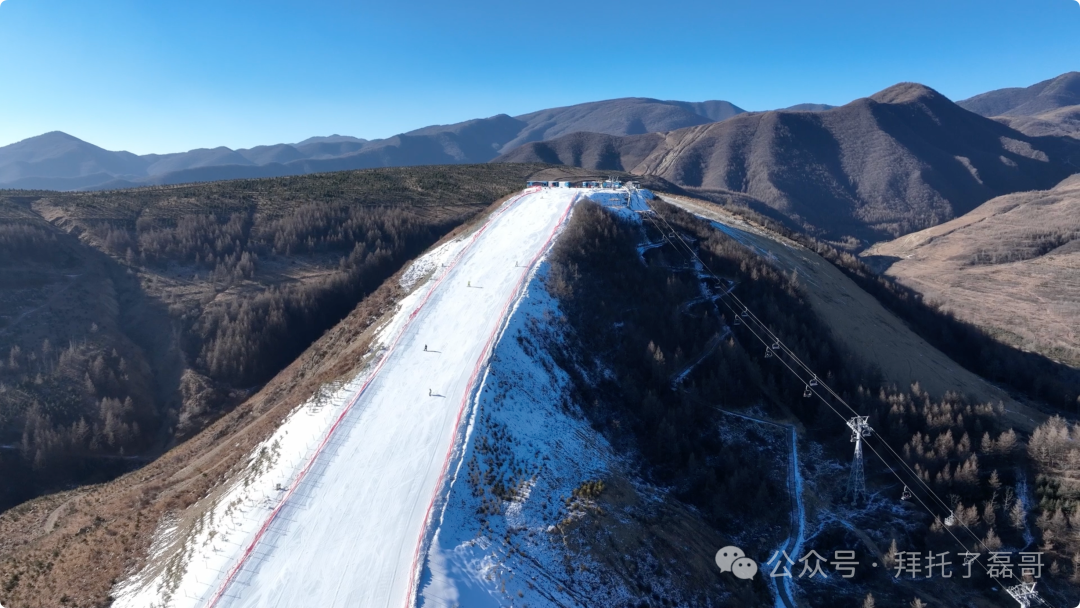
(232, 572)
(469, 388)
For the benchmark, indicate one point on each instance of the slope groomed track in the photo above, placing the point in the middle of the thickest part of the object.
(349, 533)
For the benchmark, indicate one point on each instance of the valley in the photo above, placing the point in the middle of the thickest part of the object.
(495, 425)
(425, 386)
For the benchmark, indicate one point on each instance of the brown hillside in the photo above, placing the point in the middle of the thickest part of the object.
(904, 159)
(1039, 98)
(71, 548)
(1060, 122)
(1012, 265)
(877, 336)
(131, 319)
(1050, 107)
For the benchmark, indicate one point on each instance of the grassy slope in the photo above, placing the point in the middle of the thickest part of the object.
(1010, 266)
(855, 317)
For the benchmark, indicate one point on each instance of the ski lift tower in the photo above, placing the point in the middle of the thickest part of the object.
(1025, 594)
(860, 427)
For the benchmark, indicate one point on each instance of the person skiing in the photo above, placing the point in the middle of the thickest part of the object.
(429, 392)
(470, 283)
(425, 348)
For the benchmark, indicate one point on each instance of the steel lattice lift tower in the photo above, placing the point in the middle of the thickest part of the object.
(860, 427)
(1025, 594)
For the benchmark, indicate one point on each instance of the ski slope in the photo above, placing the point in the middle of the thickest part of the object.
(350, 529)
(525, 413)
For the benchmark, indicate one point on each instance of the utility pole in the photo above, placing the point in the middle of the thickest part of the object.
(860, 428)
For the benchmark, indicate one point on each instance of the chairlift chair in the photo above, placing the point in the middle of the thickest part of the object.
(813, 381)
(806, 393)
(737, 321)
(906, 495)
(768, 353)
(775, 345)
(745, 313)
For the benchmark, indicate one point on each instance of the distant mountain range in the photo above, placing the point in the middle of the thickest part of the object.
(904, 159)
(1051, 107)
(57, 161)
(625, 133)
(1045, 96)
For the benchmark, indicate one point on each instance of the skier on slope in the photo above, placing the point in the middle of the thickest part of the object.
(429, 392)
(425, 348)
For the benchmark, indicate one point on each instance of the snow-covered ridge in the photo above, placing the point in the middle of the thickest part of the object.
(500, 538)
(344, 486)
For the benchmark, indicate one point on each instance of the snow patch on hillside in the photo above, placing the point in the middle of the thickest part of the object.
(628, 203)
(499, 541)
(208, 543)
(430, 261)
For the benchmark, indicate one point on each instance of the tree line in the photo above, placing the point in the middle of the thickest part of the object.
(1029, 374)
(631, 332)
(181, 299)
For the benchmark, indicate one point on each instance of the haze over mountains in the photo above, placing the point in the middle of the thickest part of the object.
(904, 159)
(58, 161)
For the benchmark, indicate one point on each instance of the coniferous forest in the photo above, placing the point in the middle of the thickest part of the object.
(133, 318)
(632, 329)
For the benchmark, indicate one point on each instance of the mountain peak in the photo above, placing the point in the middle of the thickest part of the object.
(906, 92)
(330, 139)
(57, 155)
(1067, 83)
(52, 137)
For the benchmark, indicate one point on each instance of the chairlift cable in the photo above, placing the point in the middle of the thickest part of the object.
(841, 400)
(806, 368)
(768, 354)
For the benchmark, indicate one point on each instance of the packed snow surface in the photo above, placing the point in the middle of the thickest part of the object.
(354, 541)
(525, 432)
(331, 509)
(492, 548)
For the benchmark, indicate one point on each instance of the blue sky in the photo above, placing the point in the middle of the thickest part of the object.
(149, 76)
